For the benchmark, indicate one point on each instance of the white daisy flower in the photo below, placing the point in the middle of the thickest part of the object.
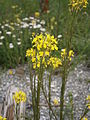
(39, 26)
(42, 29)
(1, 43)
(2, 37)
(8, 33)
(6, 25)
(31, 18)
(25, 19)
(30, 27)
(18, 39)
(2, 27)
(13, 36)
(43, 22)
(11, 45)
(19, 43)
(25, 25)
(59, 36)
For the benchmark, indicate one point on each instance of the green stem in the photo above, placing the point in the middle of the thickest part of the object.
(85, 112)
(38, 91)
(62, 93)
(34, 98)
(17, 112)
(50, 95)
(32, 91)
(48, 103)
(58, 17)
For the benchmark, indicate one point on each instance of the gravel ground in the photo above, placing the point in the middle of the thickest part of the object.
(78, 84)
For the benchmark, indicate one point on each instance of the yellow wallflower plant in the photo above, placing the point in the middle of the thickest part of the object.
(78, 4)
(41, 49)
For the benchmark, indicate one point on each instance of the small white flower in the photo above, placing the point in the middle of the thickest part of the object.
(2, 37)
(2, 27)
(59, 36)
(30, 24)
(39, 26)
(30, 27)
(38, 20)
(8, 33)
(25, 19)
(18, 39)
(19, 43)
(16, 24)
(0, 32)
(31, 18)
(43, 22)
(11, 45)
(35, 26)
(6, 25)
(43, 29)
(13, 36)
(1, 43)
(25, 25)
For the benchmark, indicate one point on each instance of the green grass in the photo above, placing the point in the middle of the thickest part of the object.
(27, 8)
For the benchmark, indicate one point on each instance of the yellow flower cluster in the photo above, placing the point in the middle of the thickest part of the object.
(19, 96)
(88, 99)
(84, 118)
(78, 4)
(64, 54)
(41, 49)
(1, 118)
(55, 62)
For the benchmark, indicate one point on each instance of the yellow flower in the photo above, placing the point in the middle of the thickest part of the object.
(1, 118)
(18, 20)
(55, 101)
(88, 97)
(64, 54)
(84, 118)
(34, 65)
(46, 53)
(38, 64)
(19, 96)
(37, 14)
(10, 72)
(33, 34)
(41, 53)
(71, 54)
(33, 59)
(54, 62)
(88, 100)
(4, 118)
(42, 45)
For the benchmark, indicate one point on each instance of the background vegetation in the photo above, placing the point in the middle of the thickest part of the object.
(58, 10)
